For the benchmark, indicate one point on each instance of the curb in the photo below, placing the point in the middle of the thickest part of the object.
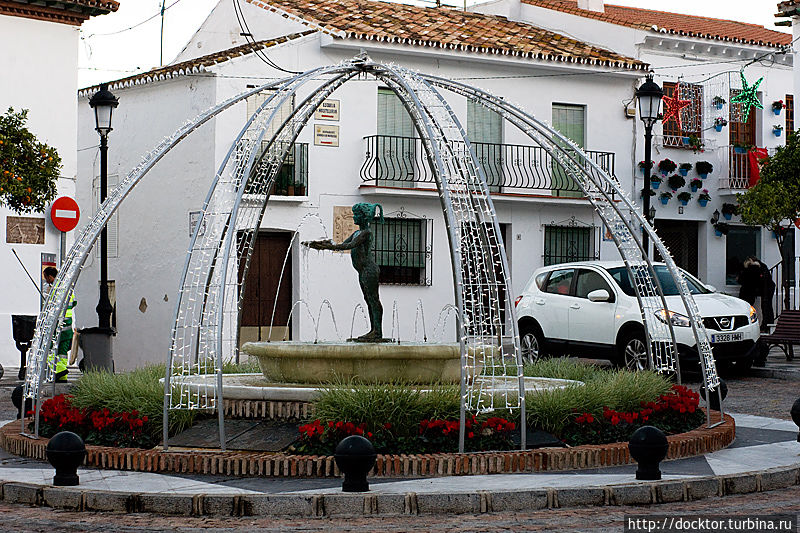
(232, 463)
(410, 503)
(774, 373)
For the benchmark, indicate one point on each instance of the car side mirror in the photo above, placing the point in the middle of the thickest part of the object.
(711, 288)
(599, 295)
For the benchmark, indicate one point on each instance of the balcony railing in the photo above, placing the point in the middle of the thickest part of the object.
(292, 178)
(400, 162)
(738, 169)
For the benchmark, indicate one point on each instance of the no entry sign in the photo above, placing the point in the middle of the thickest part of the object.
(65, 213)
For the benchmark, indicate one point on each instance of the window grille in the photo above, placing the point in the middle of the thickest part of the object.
(404, 249)
(573, 241)
(691, 116)
(789, 114)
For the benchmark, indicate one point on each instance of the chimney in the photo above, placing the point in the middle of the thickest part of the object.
(592, 5)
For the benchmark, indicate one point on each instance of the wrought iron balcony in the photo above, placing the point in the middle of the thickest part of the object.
(739, 171)
(510, 168)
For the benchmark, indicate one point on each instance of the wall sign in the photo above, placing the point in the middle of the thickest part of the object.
(327, 110)
(24, 230)
(325, 135)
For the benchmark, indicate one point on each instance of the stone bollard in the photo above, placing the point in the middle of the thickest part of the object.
(355, 456)
(795, 412)
(66, 453)
(714, 400)
(648, 447)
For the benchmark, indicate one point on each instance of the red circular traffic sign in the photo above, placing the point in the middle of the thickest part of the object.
(65, 213)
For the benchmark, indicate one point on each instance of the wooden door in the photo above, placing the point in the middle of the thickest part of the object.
(261, 289)
(741, 133)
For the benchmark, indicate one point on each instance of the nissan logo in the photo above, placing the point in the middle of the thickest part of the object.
(725, 322)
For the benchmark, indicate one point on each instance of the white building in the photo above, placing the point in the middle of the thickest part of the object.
(705, 55)
(576, 86)
(40, 65)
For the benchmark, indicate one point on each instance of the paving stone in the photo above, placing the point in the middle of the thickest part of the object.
(277, 505)
(391, 504)
(110, 501)
(448, 503)
(519, 500)
(22, 493)
(345, 504)
(740, 484)
(631, 494)
(778, 478)
(220, 505)
(63, 498)
(581, 496)
(177, 504)
(697, 489)
(670, 491)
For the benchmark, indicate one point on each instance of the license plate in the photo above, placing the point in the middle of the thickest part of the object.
(726, 337)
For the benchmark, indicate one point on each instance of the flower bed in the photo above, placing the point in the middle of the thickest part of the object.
(101, 427)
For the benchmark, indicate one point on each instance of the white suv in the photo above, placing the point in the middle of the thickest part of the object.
(590, 309)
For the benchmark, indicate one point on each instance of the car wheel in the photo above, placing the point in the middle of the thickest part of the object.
(530, 344)
(634, 352)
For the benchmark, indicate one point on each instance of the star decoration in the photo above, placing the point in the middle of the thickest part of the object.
(747, 97)
(673, 106)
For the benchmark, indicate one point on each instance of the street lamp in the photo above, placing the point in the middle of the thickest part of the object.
(103, 103)
(649, 96)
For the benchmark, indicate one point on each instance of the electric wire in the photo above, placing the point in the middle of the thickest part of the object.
(248, 35)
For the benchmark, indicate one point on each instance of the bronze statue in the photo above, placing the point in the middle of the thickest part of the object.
(360, 244)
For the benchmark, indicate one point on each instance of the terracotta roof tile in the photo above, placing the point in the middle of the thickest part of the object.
(442, 28)
(194, 66)
(73, 12)
(676, 23)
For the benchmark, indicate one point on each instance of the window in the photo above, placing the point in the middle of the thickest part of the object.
(691, 116)
(789, 113)
(564, 244)
(540, 280)
(403, 250)
(588, 281)
(485, 130)
(396, 150)
(559, 281)
(570, 121)
(742, 241)
(620, 275)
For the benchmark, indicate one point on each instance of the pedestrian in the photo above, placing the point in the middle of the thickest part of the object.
(749, 279)
(65, 335)
(767, 292)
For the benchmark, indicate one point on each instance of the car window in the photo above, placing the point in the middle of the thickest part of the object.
(559, 281)
(588, 281)
(620, 275)
(539, 280)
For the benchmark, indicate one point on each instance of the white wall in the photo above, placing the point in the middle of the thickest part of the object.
(40, 66)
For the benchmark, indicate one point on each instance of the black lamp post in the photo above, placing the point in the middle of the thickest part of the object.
(649, 96)
(103, 103)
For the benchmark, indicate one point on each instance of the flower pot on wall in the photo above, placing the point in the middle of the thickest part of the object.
(739, 150)
(777, 133)
(655, 184)
(703, 176)
(718, 127)
(718, 233)
(684, 171)
(776, 111)
(727, 216)
(664, 201)
(703, 202)
(694, 188)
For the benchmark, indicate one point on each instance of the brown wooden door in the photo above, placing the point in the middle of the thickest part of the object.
(741, 133)
(261, 288)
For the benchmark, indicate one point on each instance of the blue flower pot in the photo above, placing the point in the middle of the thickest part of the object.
(718, 106)
(739, 150)
(694, 189)
(703, 176)
(684, 202)
(718, 127)
(776, 111)
(718, 233)
(664, 201)
(664, 173)
(686, 141)
(702, 201)
(777, 133)
(683, 172)
(727, 216)
(655, 184)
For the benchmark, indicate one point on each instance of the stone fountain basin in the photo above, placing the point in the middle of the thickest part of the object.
(327, 362)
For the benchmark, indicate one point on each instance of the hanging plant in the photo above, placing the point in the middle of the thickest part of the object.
(665, 196)
(777, 129)
(29, 169)
(643, 164)
(718, 102)
(666, 166)
(676, 181)
(696, 144)
(695, 184)
(684, 197)
(777, 105)
(703, 198)
(721, 228)
(684, 169)
(728, 210)
(720, 123)
(703, 168)
(741, 148)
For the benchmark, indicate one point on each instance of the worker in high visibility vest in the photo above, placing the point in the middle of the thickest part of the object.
(66, 333)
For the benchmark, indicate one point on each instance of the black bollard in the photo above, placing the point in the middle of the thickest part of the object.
(795, 412)
(66, 453)
(714, 400)
(355, 456)
(16, 399)
(648, 447)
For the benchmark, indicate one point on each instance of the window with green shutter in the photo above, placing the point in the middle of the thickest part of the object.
(396, 147)
(485, 131)
(570, 121)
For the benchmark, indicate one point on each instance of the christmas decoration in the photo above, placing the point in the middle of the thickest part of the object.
(747, 98)
(673, 106)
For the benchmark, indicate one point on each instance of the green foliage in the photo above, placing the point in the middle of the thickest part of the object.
(676, 181)
(667, 165)
(29, 169)
(665, 194)
(565, 368)
(704, 167)
(684, 196)
(729, 209)
(401, 404)
(138, 389)
(776, 196)
(685, 166)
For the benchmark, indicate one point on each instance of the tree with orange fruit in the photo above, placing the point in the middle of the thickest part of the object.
(29, 169)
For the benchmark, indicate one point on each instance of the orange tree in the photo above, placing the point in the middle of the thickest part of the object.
(29, 169)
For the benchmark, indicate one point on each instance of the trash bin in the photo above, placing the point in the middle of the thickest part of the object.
(22, 328)
(98, 349)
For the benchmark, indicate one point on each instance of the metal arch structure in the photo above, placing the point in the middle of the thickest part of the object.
(480, 266)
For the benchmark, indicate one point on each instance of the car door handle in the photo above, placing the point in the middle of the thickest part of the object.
(538, 301)
(575, 306)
